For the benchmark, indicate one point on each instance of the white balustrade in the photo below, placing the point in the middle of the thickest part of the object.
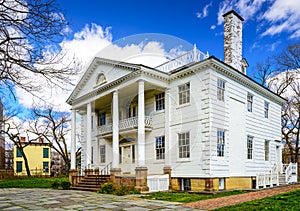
(125, 124)
(191, 56)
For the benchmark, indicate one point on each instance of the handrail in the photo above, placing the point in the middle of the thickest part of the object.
(106, 170)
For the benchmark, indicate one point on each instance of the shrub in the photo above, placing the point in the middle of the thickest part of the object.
(107, 188)
(121, 191)
(135, 192)
(65, 185)
(55, 185)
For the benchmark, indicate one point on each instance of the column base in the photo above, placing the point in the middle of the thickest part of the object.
(72, 178)
(141, 179)
(113, 173)
(168, 170)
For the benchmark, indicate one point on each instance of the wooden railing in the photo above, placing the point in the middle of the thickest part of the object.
(290, 169)
(125, 124)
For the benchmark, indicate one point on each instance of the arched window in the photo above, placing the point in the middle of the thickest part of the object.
(100, 79)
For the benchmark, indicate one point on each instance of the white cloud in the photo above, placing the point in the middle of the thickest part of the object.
(280, 15)
(212, 27)
(94, 41)
(84, 45)
(204, 11)
(283, 16)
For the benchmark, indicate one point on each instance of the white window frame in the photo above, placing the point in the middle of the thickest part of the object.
(221, 89)
(160, 102)
(102, 153)
(220, 142)
(160, 147)
(184, 93)
(250, 147)
(249, 102)
(184, 145)
(267, 150)
(266, 109)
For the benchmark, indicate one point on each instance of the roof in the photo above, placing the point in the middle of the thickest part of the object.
(212, 60)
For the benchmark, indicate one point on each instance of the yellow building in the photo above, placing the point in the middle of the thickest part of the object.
(38, 156)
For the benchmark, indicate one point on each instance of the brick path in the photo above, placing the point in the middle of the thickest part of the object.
(211, 204)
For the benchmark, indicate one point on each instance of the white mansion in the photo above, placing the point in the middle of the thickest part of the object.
(201, 120)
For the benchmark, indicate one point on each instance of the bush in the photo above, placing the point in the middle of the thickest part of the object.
(55, 185)
(135, 192)
(65, 185)
(107, 188)
(121, 191)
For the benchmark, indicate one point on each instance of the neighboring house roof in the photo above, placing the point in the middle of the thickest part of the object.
(138, 69)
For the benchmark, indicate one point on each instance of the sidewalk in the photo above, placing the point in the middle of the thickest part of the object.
(48, 199)
(212, 204)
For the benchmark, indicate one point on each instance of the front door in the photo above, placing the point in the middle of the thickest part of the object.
(127, 155)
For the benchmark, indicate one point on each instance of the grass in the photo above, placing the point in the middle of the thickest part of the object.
(188, 197)
(286, 201)
(32, 182)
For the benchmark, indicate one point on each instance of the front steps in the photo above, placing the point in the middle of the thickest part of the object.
(91, 182)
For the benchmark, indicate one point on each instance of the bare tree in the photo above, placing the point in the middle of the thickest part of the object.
(27, 29)
(15, 132)
(53, 126)
(284, 79)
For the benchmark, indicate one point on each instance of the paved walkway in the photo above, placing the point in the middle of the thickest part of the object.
(48, 199)
(212, 204)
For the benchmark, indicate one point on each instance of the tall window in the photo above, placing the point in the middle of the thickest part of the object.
(249, 147)
(267, 149)
(221, 89)
(92, 121)
(132, 112)
(45, 152)
(133, 153)
(160, 101)
(101, 119)
(266, 109)
(184, 145)
(160, 147)
(249, 102)
(19, 166)
(45, 166)
(102, 153)
(19, 154)
(220, 143)
(120, 154)
(184, 93)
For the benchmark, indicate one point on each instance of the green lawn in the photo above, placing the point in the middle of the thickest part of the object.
(187, 197)
(289, 201)
(32, 182)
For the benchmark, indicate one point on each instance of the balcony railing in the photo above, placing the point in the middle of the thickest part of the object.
(125, 124)
(191, 56)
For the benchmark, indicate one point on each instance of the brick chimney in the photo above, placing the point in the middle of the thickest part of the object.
(233, 23)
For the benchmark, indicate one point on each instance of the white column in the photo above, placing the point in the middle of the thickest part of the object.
(88, 135)
(115, 114)
(73, 140)
(141, 124)
(168, 147)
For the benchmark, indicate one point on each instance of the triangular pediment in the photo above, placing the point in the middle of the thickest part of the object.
(99, 73)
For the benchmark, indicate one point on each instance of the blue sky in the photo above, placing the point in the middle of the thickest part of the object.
(196, 21)
(269, 26)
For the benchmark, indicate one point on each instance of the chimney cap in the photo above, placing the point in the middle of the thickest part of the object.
(235, 13)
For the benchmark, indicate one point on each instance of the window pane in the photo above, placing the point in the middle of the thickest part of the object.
(19, 154)
(183, 145)
(45, 153)
(184, 93)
